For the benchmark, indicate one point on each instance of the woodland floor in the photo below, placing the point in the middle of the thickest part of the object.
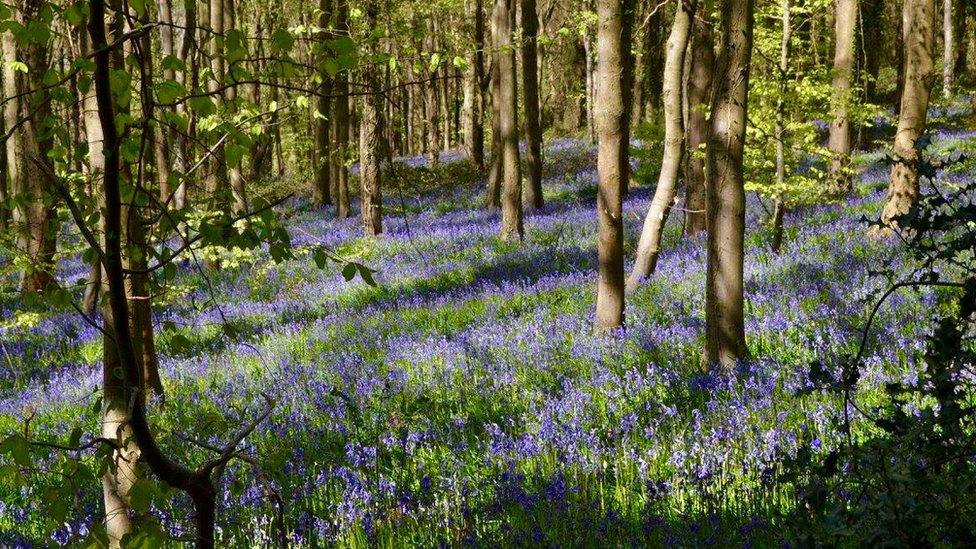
(465, 398)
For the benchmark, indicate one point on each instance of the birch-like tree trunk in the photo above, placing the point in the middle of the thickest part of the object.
(948, 48)
(649, 247)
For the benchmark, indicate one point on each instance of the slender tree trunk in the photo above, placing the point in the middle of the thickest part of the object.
(217, 182)
(342, 122)
(493, 199)
(919, 21)
(530, 91)
(371, 128)
(431, 107)
(11, 108)
(115, 425)
(234, 178)
(34, 216)
(473, 117)
(590, 84)
(961, 41)
(725, 332)
(839, 142)
(511, 169)
(321, 195)
(949, 48)
(613, 127)
(182, 140)
(164, 138)
(779, 208)
(699, 101)
(649, 247)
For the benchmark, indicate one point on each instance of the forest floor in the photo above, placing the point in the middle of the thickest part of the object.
(465, 398)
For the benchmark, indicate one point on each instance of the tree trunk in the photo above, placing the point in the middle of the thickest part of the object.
(948, 48)
(839, 142)
(11, 108)
(530, 92)
(699, 99)
(321, 195)
(919, 20)
(649, 247)
(779, 209)
(959, 65)
(590, 84)
(431, 106)
(342, 122)
(371, 128)
(218, 182)
(724, 323)
(34, 216)
(115, 483)
(473, 117)
(511, 170)
(613, 127)
(493, 198)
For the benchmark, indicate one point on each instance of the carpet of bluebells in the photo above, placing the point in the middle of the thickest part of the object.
(465, 398)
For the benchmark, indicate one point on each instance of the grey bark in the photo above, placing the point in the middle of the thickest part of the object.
(724, 322)
(613, 129)
(649, 247)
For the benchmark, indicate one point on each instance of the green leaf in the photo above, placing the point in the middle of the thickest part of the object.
(168, 91)
(435, 60)
(75, 13)
(140, 495)
(139, 6)
(18, 448)
(320, 257)
(282, 41)
(366, 274)
(349, 271)
(172, 62)
(74, 439)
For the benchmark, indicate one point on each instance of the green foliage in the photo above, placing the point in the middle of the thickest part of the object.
(908, 479)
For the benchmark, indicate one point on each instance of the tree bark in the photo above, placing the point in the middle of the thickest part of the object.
(649, 247)
(919, 21)
(493, 196)
(321, 194)
(11, 108)
(342, 122)
(948, 48)
(34, 216)
(371, 128)
(724, 323)
(530, 92)
(779, 208)
(511, 168)
(839, 141)
(473, 117)
(961, 41)
(699, 101)
(431, 102)
(613, 128)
